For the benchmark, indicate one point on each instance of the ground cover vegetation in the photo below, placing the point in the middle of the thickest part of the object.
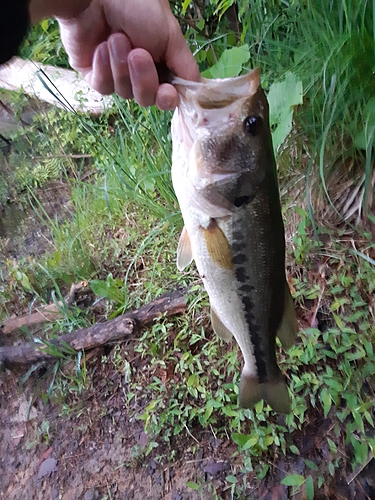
(121, 231)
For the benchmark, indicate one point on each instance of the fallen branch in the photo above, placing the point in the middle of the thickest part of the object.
(61, 87)
(52, 312)
(99, 334)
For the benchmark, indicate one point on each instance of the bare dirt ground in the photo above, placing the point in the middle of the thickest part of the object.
(91, 446)
(96, 448)
(88, 444)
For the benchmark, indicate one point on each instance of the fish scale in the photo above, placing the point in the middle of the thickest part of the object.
(224, 176)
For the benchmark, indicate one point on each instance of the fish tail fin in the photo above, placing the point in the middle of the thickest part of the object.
(250, 390)
(289, 327)
(274, 392)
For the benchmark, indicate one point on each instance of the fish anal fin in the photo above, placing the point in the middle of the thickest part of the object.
(289, 327)
(274, 393)
(217, 245)
(219, 328)
(184, 251)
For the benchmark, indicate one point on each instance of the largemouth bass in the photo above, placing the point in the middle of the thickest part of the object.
(224, 176)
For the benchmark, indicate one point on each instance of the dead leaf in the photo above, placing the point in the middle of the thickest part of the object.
(25, 413)
(47, 467)
(45, 455)
(214, 468)
(18, 431)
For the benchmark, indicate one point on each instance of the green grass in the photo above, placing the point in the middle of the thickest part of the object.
(329, 46)
(123, 231)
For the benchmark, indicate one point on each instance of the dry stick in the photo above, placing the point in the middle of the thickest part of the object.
(52, 312)
(101, 333)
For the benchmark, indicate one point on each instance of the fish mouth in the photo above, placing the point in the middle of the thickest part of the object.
(218, 93)
(214, 106)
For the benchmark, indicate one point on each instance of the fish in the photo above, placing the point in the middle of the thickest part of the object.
(225, 179)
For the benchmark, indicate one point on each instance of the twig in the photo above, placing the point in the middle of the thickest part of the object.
(99, 334)
(190, 434)
(359, 469)
(52, 312)
(47, 157)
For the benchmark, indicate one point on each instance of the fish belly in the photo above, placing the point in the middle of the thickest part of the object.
(221, 286)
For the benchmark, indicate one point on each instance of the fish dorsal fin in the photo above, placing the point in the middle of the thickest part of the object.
(217, 245)
(289, 327)
(219, 328)
(184, 251)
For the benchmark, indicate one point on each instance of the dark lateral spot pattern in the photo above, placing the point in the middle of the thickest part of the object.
(241, 274)
(241, 200)
(246, 290)
(237, 247)
(238, 235)
(239, 259)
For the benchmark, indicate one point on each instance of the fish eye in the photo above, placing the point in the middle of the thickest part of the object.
(252, 124)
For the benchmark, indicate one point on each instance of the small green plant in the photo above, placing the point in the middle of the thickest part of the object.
(296, 481)
(122, 232)
(114, 290)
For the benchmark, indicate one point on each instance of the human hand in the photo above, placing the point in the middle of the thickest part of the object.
(116, 43)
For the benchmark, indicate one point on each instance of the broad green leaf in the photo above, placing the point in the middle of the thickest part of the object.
(25, 282)
(99, 287)
(268, 440)
(44, 24)
(230, 63)
(228, 411)
(193, 380)
(293, 480)
(192, 485)
(106, 289)
(325, 398)
(293, 448)
(185, 6)
(310, 488)
(207, 413)
(311, 464)
(262, 474)
(252, 441)
(338, 321)
(282, 98)
(240, 439)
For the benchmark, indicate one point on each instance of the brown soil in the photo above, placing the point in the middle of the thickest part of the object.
(96, 449)
(91, 446)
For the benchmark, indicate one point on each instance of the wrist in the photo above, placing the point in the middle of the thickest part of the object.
(40, 9)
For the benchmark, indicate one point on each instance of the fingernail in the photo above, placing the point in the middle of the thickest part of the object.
(165, 99)
(166, 103)
(119, 47)
(103, 55)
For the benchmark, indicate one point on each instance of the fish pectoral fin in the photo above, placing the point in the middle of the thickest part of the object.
(217, 245)
(219, 328)
(184, 251)
(274, 392)
(289, 327)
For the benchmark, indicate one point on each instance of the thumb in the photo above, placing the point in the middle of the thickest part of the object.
(80, 37)
(178, 56)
